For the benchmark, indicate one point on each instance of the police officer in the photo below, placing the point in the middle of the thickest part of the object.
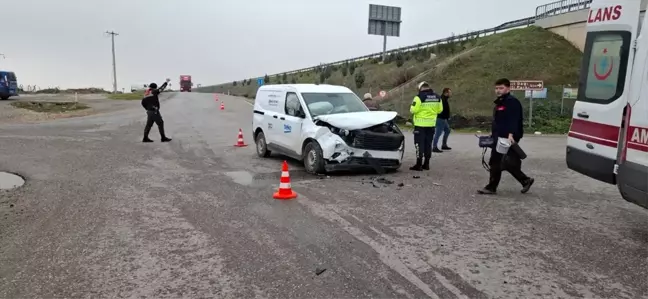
(425, 108)
(151, 104)
(507, 123)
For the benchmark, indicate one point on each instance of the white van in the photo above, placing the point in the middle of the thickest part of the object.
(608, 138)
(328, 127)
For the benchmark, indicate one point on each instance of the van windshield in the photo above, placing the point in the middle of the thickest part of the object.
(333, 103)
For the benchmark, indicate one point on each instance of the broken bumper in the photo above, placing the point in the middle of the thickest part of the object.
(340, 156)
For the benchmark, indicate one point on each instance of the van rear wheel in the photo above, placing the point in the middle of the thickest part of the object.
(314, 158)
(261, 145)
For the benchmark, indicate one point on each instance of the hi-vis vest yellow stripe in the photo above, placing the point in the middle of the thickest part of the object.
(425, 111)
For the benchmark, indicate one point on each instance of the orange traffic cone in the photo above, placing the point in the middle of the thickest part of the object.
(222, 106)
(284, 192)
(240, 142)
(216, 97)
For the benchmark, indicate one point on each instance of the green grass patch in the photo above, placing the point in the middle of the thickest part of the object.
(126, 96)
(530, 53)
(50, 107)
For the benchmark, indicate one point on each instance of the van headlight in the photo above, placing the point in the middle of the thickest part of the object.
(402, 146)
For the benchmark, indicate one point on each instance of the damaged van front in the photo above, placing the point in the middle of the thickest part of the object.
(325, 126)
(360, 140)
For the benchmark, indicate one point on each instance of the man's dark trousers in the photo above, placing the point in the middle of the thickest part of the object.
(154, 117)
(423, 137)
(510, 162)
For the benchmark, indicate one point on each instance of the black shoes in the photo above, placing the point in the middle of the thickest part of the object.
(426, 164)
(446, 147)
(147, 140)
(418, 166)
(525, 188)
(527, 185)
(436, 150)
(486, 191)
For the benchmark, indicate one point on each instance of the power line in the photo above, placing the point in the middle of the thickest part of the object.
(112, 37)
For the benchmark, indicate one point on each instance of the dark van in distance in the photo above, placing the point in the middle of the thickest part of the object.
(8, 85)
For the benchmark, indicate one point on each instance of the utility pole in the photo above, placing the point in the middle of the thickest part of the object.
(112, 37)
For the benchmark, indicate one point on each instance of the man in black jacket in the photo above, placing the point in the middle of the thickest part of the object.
(442, 124)
(151, 103)
(507, 123)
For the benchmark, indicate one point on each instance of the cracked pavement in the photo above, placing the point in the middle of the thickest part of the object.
(104, 215)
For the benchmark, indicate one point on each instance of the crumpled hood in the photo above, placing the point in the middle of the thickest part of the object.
(358, 120)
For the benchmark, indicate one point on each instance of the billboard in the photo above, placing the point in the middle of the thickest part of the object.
(384, 20)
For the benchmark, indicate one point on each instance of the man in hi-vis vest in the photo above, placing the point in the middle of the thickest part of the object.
(425, 108)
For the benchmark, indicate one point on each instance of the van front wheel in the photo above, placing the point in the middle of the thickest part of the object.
(313, 158)
(261, 146)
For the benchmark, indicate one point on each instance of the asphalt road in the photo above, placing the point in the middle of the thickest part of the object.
(104, 215)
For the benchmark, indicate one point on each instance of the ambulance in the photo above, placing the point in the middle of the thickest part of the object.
(608, 137)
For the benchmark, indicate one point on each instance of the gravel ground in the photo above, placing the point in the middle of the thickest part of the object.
(103, 215)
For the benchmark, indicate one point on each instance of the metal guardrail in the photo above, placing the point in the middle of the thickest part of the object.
(561, 7)
(505, 26)
(543, 11)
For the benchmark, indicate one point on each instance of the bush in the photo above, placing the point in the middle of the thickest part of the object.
(404, 76)
(284, 78)
(234, 83)
(345, 71)
(293, 81)
(266, 79)
(359, 79)
(400, 59)
(352, 67)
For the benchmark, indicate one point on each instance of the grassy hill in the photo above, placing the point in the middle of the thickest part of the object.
(468, 67)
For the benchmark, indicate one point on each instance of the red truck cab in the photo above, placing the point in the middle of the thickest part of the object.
(185, 83)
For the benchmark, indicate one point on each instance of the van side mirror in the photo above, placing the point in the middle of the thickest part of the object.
(301, 113)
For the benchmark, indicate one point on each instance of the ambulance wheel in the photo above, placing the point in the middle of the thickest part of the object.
(313, 158)
(261, 145)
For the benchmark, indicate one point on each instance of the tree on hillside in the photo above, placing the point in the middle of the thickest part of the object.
(244, 82)
(234, 83)
(284, 78)
(359, 79)
(352, 67)
(345, 70)
(266, 79)
(400, 59)
(293, 81)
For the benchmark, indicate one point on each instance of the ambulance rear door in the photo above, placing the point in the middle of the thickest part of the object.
(632, 174)
(603, 88)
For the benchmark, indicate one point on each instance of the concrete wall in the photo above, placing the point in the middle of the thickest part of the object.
(571, 25)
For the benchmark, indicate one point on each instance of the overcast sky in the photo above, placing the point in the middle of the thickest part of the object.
(62, 42)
